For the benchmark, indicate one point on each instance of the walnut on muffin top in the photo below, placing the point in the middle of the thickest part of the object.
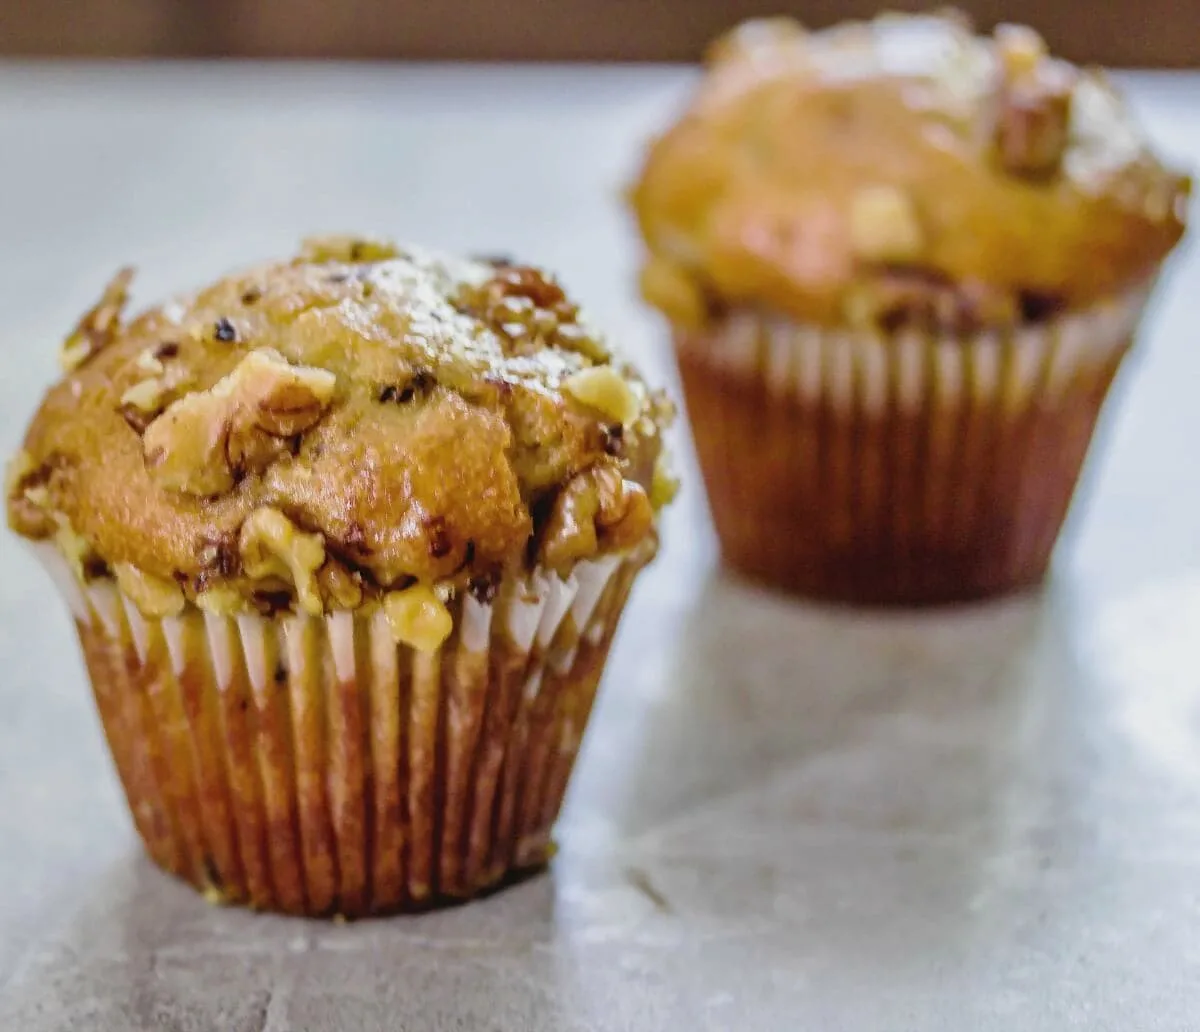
(896, 172)
(321, 432)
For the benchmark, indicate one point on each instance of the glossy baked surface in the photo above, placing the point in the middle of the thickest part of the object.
(899, 171)
(318, 429)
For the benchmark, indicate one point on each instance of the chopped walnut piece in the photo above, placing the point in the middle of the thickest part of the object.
(621, 531)
(529, 282)
(1020, 49)
(271, 545)
(218, 558)
(605, 390)
(145, 396)
(884, 225)
(205, 442)
(155, 597)
(418, 618)
(1031, 128)
(39, 496)
(148, 361)
(28, 497)
(143, 402)
(99, 325)
(917, 298)
(340, 586)
(185, 448)
(18, 470)
(753, 37)
(294, 401)
(1033, 104)
(528, 309)
(572, 336)
(597, 511)
(220, 600)
(75, 549)
(343, 248)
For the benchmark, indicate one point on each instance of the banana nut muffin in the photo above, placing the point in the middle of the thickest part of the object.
(902, 263)
(346, 538)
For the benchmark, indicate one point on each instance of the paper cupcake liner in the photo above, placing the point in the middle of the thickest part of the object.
(311, 765)
(902, 469)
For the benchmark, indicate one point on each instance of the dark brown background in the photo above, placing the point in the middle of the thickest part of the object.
(1118, 32)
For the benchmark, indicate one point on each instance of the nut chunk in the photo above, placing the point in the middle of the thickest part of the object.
(884, 225)
(272, 546)
(605, 390)
(529, 311)
(417, 618)
(1033, 105)
(205, 443)
(155, 597)
(754, 38)
(339, 248)
(598, 511)
(99, 325)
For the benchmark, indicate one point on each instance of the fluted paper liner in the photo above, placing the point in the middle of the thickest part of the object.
(899, 469)
(311, 765)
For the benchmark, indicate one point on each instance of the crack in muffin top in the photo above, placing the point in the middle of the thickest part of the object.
(313, 432)
(896, 171)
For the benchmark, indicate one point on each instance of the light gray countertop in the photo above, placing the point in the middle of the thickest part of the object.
(785, 817)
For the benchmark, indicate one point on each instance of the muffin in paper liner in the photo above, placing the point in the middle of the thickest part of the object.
(313, 766)
(347, 537)
(910, 468)
(902, 261)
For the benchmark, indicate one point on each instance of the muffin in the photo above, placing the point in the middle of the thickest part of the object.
(902, 264)
(346, 539)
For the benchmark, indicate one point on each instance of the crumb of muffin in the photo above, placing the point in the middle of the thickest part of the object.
(99, 325)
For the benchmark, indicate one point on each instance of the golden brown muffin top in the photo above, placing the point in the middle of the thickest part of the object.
(900, 171)
(358, 420)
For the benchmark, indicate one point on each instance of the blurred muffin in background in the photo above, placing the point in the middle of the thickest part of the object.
(346, 539)
(902, 264)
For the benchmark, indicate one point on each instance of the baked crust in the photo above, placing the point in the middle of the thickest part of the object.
(899, 171)
(318, 432)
